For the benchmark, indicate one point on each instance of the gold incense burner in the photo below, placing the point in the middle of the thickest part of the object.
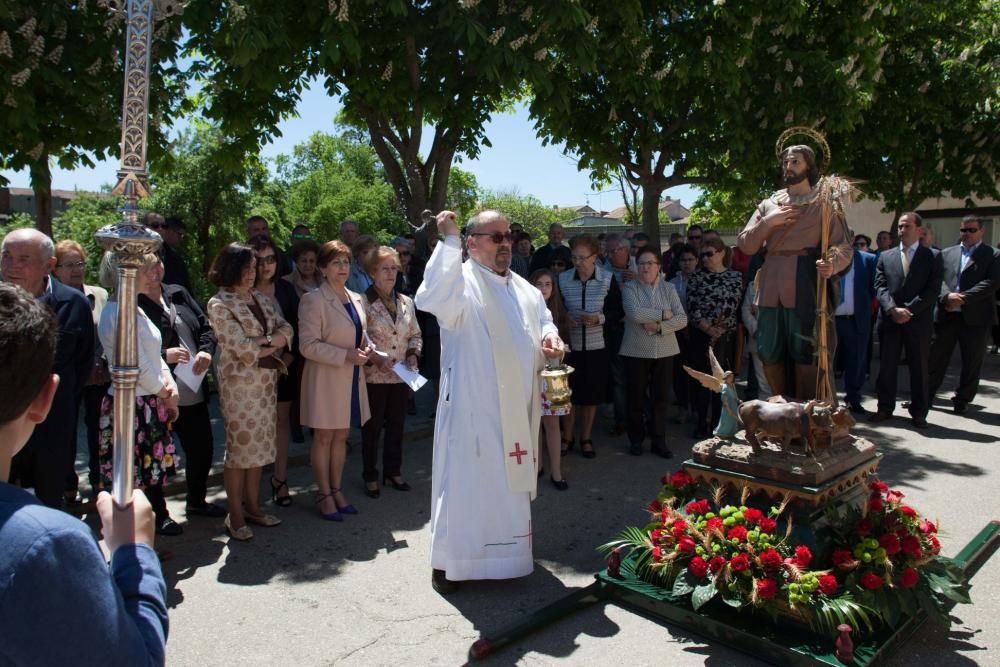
(557, 385)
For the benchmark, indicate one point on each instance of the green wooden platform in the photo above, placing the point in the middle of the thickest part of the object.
(754, 634)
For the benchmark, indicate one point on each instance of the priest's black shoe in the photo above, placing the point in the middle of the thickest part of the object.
(858, 409)
(880, 416)
(959, 407)
(920, 422)
(442, 584)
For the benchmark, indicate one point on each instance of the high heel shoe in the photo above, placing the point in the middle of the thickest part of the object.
(560, 484)
(332, 516)
(587, 453)
(346, 509)
(566, 446)
(372, 493)
(280, 501)
(399, 486)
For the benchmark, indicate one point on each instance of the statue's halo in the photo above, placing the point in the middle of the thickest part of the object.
(802, 131)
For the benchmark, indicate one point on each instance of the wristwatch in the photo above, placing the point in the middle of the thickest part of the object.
(268, 337)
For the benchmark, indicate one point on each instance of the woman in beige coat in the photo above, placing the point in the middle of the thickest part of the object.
(248, 329)
(334, 398)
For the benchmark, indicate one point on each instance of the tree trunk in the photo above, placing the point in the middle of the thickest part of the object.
(651, 212)
(41, 183)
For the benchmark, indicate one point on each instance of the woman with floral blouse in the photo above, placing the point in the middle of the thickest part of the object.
(714, 295)
(392, 327)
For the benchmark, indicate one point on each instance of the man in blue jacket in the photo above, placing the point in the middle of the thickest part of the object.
(854, 316)
(58, 599)
(27, 258)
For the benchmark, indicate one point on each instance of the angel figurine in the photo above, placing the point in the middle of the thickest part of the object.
(723, 383)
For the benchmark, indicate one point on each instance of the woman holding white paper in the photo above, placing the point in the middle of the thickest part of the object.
(187, 342)
(393, 328)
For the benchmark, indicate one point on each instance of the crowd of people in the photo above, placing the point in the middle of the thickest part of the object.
(308, 337)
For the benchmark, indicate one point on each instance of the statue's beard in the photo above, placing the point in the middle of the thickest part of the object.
(791, 178)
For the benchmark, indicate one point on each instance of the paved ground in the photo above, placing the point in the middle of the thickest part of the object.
(358, 593)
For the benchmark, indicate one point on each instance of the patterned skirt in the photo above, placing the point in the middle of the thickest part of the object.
(155, 454)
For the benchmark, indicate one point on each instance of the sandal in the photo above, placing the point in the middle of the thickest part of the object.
(567, 445)
(345, 509)
(280, 501)
(587, 453)
(332, 516)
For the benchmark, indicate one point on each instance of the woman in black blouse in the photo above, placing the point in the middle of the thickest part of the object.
(714, 295)
(186, 337)
(286, 301)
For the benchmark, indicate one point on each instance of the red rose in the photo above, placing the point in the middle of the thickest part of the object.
(716, 564)
(681, 479)
(843, 559)
(875, 504)
(911, 546)
(871, 581)
(766, 588)
(828, 584)
(878, 486)
(767, 525)
(864, 528)
(715, 523)
(893, 497)
(686, 544)
(656, 535)
(908, 511)
(737, 532)
(890, 543)
(803, 556)
(935, 545)
(657, 554)
(753, 515)
(655, 507)
(909, 578)
(698, 567)
(698, 507)
(740, 562)
(770, 559)
(679, 527)
(927, 527)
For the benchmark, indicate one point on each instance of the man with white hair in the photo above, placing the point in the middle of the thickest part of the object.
(27, 258)
(495, 334)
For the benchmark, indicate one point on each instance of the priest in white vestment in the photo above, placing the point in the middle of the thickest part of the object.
(495, 335)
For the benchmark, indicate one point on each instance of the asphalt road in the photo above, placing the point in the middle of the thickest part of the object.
(311, 592)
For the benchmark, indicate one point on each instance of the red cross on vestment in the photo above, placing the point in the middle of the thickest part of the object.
(518, 452)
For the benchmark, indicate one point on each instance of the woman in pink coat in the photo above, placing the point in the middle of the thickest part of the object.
(334, 398)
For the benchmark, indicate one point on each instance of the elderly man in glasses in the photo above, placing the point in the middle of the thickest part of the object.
(496, 333)
(788, 224)
(965, 312)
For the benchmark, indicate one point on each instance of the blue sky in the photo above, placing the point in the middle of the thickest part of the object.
(517, 160)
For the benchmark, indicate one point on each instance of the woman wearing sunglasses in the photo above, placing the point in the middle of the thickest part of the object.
(713, 307)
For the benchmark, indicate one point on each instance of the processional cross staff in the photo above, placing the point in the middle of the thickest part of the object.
(129, 240)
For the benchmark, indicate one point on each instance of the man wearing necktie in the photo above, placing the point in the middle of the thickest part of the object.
(907, 283)
(853, 316)
(965, 310)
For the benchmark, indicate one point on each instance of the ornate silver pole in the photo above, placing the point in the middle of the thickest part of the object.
(128, 239)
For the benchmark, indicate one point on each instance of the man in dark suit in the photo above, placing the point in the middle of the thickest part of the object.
(966, 311)
(907, 283)
(553, 250)
(854, 316)
(26, 259)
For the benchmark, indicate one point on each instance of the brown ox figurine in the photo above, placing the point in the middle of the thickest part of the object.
(785, 422)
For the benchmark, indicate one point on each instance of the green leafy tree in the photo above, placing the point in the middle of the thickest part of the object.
(61, 68)
(695, 92)
(403, 70)
(212, 200)
(80, 221)
(463, 193)
(330, 178)
(528, 210)
(933, 127)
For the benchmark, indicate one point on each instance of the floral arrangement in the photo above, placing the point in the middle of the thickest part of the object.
(884, 563)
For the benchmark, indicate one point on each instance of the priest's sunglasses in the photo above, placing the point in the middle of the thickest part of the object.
(496, 237)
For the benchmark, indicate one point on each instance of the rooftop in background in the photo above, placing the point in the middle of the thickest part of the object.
(586, 216)
(22, 200)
